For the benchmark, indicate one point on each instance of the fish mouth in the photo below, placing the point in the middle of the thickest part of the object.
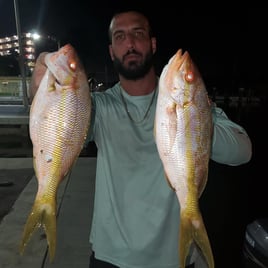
(178, 59)
(175, 66)
(63, 67)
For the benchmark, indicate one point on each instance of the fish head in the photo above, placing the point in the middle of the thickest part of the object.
(181, 78)
(65, 67)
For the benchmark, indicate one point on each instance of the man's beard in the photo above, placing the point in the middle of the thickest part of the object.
(134, 71)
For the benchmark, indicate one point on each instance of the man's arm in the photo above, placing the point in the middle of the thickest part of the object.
(231, 144)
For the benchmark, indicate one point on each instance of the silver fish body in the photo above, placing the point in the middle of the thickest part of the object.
(183, 134)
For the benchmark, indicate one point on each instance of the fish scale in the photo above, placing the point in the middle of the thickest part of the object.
(59, 121)
(183, 135)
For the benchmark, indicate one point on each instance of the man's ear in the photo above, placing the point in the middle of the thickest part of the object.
(153, 41)
(111, 52)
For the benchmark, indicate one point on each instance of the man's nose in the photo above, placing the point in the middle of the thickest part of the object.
(130, 40)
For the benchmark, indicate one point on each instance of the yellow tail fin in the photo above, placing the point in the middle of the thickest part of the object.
(193, 230)
(43, 214)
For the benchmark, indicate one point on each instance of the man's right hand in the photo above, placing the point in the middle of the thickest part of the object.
(38, 73)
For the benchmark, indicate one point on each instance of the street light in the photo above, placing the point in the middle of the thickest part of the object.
(21, 60)
(36, 36)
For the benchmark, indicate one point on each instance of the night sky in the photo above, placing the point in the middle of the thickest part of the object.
(227, 43)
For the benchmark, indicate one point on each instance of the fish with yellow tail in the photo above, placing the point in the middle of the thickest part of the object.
(183, 135)
(59, 121)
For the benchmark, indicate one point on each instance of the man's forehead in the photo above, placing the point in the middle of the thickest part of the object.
(129, 21)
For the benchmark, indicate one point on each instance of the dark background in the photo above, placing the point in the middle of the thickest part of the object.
(227, 42)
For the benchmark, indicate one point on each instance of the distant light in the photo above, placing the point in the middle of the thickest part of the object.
(36, 36)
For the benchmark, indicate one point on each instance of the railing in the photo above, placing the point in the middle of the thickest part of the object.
(12, 108)
(11, 89)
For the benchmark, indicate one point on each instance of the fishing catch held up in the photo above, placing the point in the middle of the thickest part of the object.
(183, 134)
(59, 121)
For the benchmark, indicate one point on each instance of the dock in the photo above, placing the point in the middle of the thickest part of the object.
(75, 204)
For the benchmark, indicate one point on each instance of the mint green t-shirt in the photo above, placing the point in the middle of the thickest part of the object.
(136, 214)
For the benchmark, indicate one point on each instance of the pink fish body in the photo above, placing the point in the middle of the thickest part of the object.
(59, 121)
(183, 133)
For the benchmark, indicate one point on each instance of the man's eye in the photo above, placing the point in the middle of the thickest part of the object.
(119, 37)
(139, 34)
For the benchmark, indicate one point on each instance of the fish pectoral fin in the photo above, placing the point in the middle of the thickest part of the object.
(193, 230)
(41, 215)
(172, 125)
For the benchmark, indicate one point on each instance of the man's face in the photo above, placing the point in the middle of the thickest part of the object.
(132, 49)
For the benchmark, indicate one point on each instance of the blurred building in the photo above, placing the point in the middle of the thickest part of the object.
(32, 45)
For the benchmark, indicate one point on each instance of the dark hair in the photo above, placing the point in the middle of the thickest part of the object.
(121, 11)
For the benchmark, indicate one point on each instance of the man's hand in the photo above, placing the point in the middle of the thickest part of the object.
(38, 73)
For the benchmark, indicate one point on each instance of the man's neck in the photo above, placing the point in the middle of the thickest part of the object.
(139, 87)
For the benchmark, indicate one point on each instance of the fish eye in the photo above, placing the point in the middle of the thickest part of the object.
(189, 76)
(72, 65)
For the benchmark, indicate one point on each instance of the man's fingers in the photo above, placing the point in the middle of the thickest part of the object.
(38, 73)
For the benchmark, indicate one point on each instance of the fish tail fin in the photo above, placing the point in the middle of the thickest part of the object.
(193, 230)
(42, 214)
(185, 239)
